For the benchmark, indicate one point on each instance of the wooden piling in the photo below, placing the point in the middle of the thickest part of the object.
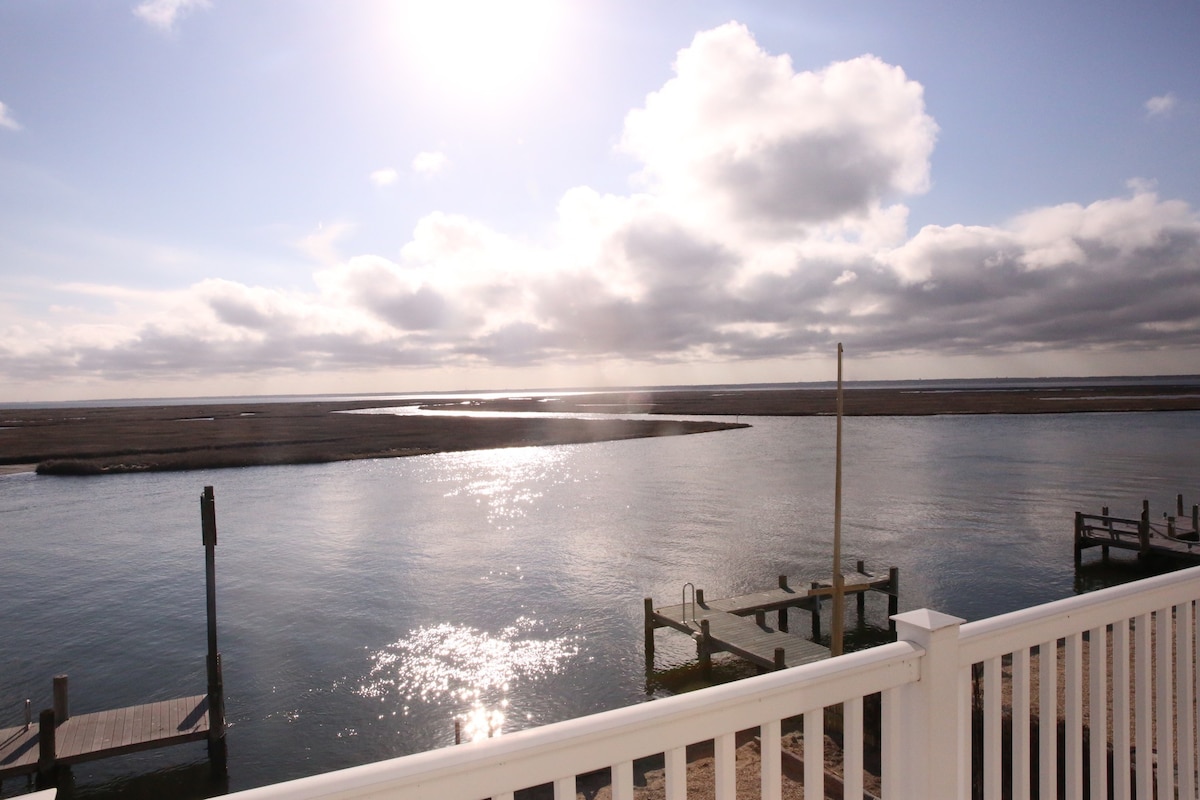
(62, 709)
(1179, 505)
(893, 596)
(816, 615)
(780, 658)
(648, 605)
(46, 744)
(704, 650)
(1144, 532)
(217, 749)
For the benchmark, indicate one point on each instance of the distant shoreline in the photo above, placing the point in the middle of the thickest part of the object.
(131, 438)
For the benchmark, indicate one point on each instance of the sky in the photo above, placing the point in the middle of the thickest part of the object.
(209, 198)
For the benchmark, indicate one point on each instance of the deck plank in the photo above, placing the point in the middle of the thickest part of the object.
(86, 737)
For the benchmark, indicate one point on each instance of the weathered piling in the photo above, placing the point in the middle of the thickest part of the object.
(217, 751)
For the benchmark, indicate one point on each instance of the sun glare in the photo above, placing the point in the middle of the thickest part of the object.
(479, 49)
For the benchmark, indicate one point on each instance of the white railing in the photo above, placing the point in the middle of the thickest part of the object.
(942, 691)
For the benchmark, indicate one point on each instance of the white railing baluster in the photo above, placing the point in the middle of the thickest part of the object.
(852, 747)
(1194, 654)
(992, 721)
(564, 788)
(1143, 701)
(1164, 706)
(1184, 699)
(1020, 725)
(725, 772)
(1048, 719)
(1121, 789)
(1073, 716)
(896, 782)
(771, 756)
(1098, 711)
(622, 781)
(676, 769)
(814, 752)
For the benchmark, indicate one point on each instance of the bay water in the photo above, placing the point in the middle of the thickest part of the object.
(365, 606)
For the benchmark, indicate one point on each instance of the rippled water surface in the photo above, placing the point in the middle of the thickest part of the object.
(365, 606)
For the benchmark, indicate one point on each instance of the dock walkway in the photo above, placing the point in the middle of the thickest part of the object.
(725, 625)
(1175, 537)
(105, 733)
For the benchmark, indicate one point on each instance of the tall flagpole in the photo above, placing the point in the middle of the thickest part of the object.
(839, 588)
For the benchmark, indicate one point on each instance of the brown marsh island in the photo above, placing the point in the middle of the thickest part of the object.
(74, 440)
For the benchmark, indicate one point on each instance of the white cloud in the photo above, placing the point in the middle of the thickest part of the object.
(384, 177)
(163, 14)
(6, 119)
(1161, 105)
(741, 131)
(320, 245)
(430, 162)
(765, 227)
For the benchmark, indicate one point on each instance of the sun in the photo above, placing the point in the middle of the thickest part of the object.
(479, 49)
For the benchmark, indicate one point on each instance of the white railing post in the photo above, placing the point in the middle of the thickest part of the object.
(931, 712)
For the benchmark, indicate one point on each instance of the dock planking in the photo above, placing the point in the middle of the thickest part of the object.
(724, 624)
(86, 737)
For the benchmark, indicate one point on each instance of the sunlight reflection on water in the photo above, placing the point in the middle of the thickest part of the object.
(509, 480)
(457, 664)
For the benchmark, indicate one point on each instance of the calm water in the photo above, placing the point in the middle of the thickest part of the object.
(365, 605)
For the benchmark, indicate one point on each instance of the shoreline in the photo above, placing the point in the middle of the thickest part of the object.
(116, 439)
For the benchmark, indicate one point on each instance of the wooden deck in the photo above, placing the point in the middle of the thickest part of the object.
(107, 733)
(1176, 537)
(725, 625)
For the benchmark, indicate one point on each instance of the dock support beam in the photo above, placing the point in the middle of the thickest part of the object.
(217, 752)
(704, 649)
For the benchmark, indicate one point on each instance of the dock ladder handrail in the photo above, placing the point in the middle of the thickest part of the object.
(683, 602)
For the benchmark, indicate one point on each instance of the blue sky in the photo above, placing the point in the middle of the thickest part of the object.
(209, 198)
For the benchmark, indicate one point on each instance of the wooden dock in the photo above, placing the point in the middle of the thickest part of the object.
(1173, 536)
(739, 625)
(58, 739)
(38, 748)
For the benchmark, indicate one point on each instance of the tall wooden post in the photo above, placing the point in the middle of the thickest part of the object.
(216, 683)
(839, 598)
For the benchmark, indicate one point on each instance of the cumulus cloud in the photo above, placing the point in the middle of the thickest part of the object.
(430, 162)
(321, 244)
(1161, 105)
(772, 146)
(767, 223)
(384, 177)
(6, 119)
(163, 14)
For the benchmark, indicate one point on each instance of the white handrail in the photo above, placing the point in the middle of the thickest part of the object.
(927, 726)
(577, 746)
